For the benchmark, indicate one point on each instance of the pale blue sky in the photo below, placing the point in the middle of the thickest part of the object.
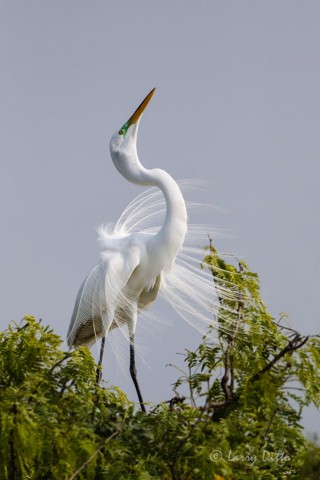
(237, 103)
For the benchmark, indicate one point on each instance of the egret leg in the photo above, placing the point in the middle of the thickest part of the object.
(133, 373)
(99, 369)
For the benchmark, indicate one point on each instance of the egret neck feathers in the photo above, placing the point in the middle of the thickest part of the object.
(124, 155)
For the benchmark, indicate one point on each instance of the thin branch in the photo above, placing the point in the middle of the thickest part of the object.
(86, 463)
(269, 426)
(59, 362)
(291, 347)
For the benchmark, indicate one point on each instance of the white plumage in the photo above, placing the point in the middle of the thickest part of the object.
(135, 265)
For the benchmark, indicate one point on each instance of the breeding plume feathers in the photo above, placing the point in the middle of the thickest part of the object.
(187, 287)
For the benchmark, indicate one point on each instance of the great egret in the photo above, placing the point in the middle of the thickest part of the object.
(134, 266)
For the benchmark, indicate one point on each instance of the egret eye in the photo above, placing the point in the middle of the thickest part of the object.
(120, 132)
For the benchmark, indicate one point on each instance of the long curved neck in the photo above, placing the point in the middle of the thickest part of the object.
(172, 233)
(175, 224)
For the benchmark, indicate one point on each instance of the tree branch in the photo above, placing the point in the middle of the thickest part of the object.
(293, 345)
(86, 463)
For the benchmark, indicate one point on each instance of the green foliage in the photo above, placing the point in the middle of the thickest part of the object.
(311, 464)
(51, 409)
(242, 419)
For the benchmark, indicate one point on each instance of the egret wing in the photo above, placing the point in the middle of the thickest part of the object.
(100, 295)
(86, 319)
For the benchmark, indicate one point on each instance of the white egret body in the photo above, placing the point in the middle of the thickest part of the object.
(128, 277)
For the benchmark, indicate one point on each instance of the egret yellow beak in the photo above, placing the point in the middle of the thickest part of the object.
(143, 105)
(137, 114)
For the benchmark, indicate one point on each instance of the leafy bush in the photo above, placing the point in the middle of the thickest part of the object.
(247, 388)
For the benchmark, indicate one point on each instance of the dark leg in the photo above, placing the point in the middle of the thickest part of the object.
(133, 373)
(99, 369)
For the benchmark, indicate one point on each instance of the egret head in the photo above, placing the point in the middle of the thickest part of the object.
(123, 143)
(128, 131)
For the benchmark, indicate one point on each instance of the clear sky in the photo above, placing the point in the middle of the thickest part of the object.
(237, 103)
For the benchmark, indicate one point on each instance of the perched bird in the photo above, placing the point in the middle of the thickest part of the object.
(135, 265)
